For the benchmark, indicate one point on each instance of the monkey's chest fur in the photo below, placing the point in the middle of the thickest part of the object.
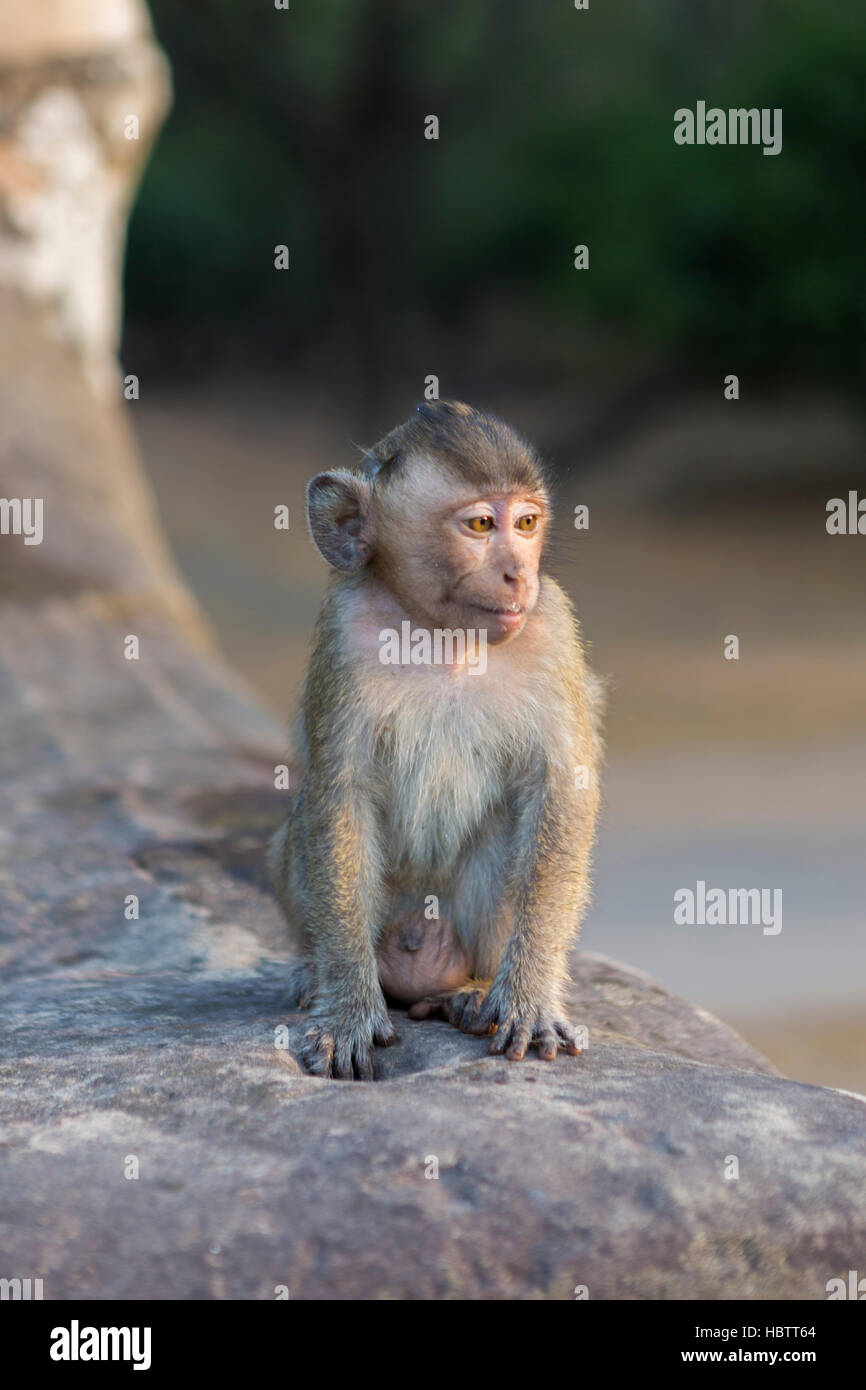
(442, 772)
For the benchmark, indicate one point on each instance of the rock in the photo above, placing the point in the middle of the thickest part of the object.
(606, 1170)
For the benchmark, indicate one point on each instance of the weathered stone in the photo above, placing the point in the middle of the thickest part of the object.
(605, 1170)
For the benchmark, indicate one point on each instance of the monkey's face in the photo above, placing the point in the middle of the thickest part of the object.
(459, 558)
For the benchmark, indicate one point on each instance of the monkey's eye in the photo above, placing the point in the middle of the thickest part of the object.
(527, 522)
(479, 524)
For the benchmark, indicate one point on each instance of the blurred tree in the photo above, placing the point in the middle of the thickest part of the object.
(306, 127)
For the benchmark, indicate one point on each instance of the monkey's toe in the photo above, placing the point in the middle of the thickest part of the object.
(460, 1007)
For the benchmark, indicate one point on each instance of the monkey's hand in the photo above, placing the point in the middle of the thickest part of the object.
(520, 1023)
(340, 1043)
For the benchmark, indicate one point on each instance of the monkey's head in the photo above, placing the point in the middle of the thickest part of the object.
(450, 510)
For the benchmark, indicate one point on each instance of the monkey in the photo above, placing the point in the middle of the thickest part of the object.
(438, 848)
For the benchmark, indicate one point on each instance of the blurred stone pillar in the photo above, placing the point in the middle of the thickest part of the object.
(83, 91)
(105, 761)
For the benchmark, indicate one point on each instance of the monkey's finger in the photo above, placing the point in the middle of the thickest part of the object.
(546, 1042)
(385, 1036)
(318, 1063)
(363, 1066)
(479, 1029)
(344, 1060)
(567, 1040)
(520, 1042)
(505, 1037)
(486, 1021)
(318, 1052)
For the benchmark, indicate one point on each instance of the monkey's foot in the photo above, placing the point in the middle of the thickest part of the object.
(302, 985)
(461, 1007)
(343, 1050)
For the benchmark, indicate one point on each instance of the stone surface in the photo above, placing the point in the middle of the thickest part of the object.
(605, 1170)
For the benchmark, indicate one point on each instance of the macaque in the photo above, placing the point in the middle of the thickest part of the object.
(438, 849)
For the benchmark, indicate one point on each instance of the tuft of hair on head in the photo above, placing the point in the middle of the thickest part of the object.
(479, 448)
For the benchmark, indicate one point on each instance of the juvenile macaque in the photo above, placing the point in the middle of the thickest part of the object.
(438, 850)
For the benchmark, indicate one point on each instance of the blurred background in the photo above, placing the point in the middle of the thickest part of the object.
(454, 257)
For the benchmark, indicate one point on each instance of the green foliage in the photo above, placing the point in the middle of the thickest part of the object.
(556, 128)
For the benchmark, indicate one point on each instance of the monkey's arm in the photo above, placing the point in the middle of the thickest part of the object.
(343, 882)
(555, 815)
(550, 882)
(337, 847)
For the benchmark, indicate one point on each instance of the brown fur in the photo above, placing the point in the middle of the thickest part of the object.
(426, 782)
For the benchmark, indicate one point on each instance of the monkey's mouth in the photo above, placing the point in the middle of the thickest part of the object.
(508, 618)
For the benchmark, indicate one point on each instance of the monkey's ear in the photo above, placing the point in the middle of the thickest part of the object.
(338, 515)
